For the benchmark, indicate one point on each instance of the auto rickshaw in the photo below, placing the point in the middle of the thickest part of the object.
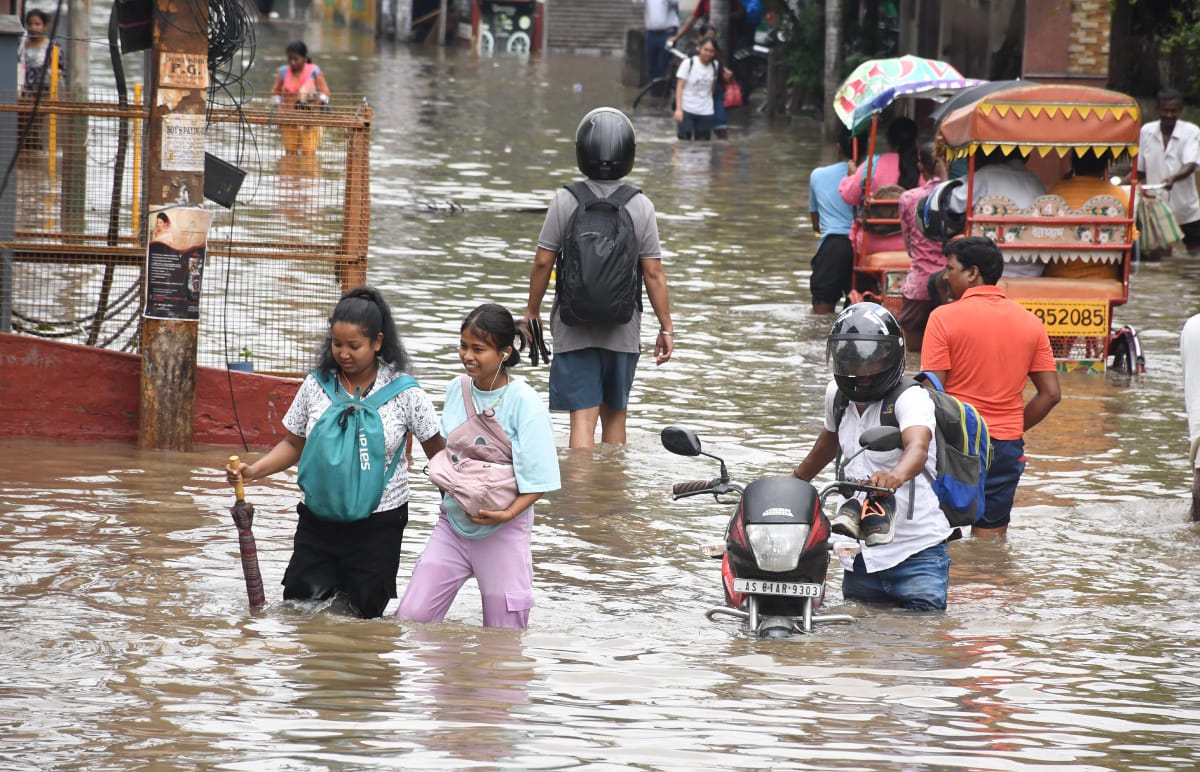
(1045, 124)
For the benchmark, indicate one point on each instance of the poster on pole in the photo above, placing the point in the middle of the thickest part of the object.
(177, 243)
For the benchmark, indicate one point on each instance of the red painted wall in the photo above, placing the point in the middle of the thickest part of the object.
(66, 392)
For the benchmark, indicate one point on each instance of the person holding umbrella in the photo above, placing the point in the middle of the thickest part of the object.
(358, 559)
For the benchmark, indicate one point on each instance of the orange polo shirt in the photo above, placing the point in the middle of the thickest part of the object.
(988, 345)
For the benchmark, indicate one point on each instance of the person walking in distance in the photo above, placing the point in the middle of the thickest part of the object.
(983, 347)
(596, 318)
(832, 218)
(1168, 155)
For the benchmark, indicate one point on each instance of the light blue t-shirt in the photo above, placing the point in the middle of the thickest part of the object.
(526, 420)
(836, 216)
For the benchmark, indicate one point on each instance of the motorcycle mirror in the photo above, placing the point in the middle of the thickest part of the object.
(680, 441)
(881, 438)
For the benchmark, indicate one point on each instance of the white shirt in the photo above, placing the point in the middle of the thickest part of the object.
(698, 81)
(1158, 163)
(924, 525)
(1008, 178)
(659, 15)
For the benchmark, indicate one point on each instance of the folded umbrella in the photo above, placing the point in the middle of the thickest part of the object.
(243, 517)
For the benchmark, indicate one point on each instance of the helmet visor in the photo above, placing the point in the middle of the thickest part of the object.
(863, 355)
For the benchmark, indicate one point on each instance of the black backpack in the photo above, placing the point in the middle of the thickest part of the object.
(599, 273)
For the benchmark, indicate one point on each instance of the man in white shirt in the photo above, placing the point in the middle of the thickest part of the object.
(999, 175)
(661, 18)
(1168, 154)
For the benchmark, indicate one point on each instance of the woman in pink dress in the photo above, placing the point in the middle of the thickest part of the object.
(898, 166)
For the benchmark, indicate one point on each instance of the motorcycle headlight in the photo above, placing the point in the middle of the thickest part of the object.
(777, 546)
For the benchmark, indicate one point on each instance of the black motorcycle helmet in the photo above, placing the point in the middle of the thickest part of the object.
(936, 218)
(604, 146)
(865, 340)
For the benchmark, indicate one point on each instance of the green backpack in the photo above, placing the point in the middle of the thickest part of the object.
(342, 471)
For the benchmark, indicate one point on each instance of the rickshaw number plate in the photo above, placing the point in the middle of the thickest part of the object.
(1081, 318)
(761, 587)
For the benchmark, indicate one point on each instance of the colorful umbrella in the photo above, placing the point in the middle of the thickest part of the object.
(875, 84)
(243, 516)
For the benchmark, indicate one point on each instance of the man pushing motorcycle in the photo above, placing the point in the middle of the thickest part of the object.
(903, 560)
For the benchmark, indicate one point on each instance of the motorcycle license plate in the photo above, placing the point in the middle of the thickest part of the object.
(763, 587)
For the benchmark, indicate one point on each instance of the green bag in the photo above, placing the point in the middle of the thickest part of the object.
(341, 470)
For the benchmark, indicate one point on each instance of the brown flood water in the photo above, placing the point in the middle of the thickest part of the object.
(127, 641)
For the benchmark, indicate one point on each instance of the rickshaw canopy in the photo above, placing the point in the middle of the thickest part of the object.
(1045, 119)
(877, 83)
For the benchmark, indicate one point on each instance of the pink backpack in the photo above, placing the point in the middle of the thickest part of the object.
(476, 467)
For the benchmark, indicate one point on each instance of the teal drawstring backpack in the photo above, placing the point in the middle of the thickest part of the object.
(342, 470)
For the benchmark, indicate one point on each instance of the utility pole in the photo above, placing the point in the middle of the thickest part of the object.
(718, 16)
(177, 88)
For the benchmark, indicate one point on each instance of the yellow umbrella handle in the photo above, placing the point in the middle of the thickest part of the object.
(240, 489)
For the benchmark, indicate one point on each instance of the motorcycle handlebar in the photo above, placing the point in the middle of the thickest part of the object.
(690, 486)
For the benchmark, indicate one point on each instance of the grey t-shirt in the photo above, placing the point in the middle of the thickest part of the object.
(614, 337)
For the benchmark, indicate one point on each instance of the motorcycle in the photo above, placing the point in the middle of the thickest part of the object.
(776, 550)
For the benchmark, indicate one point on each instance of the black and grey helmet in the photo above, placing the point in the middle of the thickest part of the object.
(936, 218)
(865, 342)
(604, 144)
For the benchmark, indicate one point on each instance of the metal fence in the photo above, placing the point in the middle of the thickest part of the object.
(275, 262)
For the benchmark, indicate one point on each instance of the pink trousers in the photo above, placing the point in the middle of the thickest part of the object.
(501, 563)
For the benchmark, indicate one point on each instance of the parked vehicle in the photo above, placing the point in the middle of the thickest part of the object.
(775, 554)
(1043, 124)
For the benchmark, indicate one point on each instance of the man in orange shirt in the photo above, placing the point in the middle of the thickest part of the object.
(982, 347)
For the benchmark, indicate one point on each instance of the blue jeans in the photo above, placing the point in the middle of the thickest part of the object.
(695, 127)
(657, 55)
(918, 583)
(1008, 463)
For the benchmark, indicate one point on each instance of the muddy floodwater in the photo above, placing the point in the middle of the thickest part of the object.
(127, 643)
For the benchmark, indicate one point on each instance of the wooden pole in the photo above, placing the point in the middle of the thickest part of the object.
(177, 83)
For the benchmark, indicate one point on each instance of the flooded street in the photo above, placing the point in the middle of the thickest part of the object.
(127, 643)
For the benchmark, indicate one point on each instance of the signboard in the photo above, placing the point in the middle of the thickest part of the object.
(177, 70)
(178, 240)
(1071, 318)
(183, 142)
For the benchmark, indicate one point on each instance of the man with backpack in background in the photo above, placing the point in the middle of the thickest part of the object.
(600, 237)
(904, 560)
(982, 347)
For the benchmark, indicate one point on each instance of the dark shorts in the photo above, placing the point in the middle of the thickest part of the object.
(695, 126)
(914, 316)
(589, 377)
(1008, 462)
(360, 559)
(831, 269)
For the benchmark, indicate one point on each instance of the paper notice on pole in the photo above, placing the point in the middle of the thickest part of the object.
(183, 142)
(178, 241)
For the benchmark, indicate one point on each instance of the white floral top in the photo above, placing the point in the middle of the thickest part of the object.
(410, 411)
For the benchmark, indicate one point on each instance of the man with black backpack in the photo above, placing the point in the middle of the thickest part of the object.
(903, 560)
(600, 238)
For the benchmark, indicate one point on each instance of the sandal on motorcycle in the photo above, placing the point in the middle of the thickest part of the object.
(878, 522)
(845, 522)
